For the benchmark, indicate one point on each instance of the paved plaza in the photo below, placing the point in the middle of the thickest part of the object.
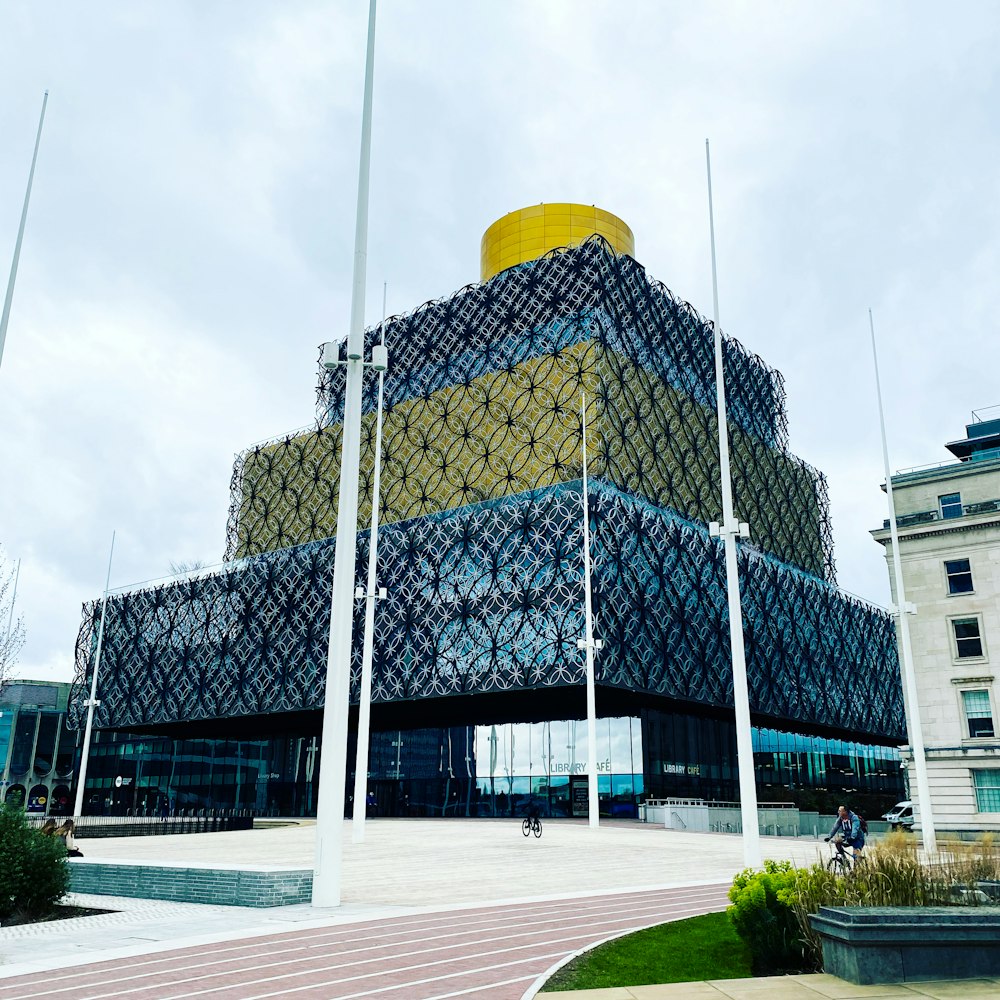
(427, 862)
(432, 910)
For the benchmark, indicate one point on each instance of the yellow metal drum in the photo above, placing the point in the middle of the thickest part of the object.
(530, 233)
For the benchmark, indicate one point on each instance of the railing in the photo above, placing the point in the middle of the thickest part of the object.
(716, 803)
(927, 516)
(987, 455)
(208, 821)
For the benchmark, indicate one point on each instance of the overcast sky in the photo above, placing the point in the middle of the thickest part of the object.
(190, 237)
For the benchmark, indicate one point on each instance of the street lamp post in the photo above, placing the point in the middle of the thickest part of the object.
(588, 642)
(5, 648)
(903, 610)
(730, 529)
(370, 597)
(92, 701)
(9, 297)
(330, 806)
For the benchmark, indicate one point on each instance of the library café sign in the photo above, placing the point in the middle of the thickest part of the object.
(580, 767)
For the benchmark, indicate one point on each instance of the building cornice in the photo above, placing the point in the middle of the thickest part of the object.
(985, 751)
(938, 528)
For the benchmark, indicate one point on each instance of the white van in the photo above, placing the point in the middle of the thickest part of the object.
(900, 816)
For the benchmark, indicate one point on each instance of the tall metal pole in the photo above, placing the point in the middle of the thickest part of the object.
(92, 702)
(730, 530)
(903, 610)
(593, 810)
(371, 596)
(5, 316)
(10, 617)
(330, 804)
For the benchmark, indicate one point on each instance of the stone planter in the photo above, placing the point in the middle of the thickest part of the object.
(897, 944)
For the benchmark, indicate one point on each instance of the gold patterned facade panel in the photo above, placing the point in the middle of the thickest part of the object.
(517, 430)
(665, 449)
(498, 435)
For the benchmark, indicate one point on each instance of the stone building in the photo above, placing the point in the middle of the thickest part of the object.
(948, 517)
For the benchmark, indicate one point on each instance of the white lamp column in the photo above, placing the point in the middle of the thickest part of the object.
(330, 805)
(92, 701)
(903, 610)
(10, 618)
(9, 297)
(370, 596)
(730, 530)
(588, 642)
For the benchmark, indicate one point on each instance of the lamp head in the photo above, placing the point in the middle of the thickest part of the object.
(335, 353)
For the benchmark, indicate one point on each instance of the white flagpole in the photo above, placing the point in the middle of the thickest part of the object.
(902, 610)
(365, 701)
(330, 805)
(92, 702)
(730, 530)
(593, 806)
(5, 316)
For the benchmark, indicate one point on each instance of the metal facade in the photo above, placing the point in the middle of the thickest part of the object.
(482, 524)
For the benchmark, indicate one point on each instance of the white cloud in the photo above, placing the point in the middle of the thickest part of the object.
(190, 238)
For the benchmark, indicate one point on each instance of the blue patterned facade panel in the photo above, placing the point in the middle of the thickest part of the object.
(488, 598)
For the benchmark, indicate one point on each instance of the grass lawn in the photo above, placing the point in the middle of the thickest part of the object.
(683, 951)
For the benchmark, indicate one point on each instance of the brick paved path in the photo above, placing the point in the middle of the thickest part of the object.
(491, 952)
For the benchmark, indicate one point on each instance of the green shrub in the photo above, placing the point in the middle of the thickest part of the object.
(763, 915)
(814, 887)
(34, 875)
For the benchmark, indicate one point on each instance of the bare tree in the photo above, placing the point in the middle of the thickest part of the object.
(179, 568)
(11, 628)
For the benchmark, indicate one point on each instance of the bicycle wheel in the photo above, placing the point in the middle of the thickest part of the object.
(526, 827)
(838, 865)
(537, 827)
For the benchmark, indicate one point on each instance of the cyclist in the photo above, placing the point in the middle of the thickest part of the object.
(532, 820)
(847, 832)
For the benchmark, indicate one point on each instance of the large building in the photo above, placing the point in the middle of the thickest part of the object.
(948, 520)
(478, 679)
(37, 747)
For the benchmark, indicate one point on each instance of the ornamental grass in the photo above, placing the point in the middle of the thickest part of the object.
(893, 874)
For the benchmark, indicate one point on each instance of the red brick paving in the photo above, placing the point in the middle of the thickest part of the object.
(491, 952)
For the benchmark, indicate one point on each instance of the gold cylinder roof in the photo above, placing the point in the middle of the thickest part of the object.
(530, 233)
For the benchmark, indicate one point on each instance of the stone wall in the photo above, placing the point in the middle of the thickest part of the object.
(221, 885)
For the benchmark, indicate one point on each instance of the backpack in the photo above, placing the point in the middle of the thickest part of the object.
(863, 822)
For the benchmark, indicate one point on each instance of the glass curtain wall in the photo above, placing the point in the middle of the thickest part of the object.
(497, 770)
(545, 764)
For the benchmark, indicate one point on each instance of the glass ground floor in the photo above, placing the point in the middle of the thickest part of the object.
(487, 770)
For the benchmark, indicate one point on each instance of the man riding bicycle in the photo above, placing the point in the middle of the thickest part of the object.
(847, 832)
